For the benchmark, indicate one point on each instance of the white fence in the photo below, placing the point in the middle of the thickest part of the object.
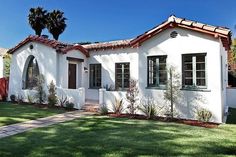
(231, 97)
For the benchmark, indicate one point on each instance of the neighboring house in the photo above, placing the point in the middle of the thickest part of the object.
(197, 51)
(2, 53)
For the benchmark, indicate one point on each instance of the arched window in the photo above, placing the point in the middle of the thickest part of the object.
(32, 74)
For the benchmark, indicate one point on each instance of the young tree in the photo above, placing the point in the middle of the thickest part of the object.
(37, 19)
(40, 94)
(132, 96)
(56, 23)
(172, 90)
(52, 97)
(6, 63)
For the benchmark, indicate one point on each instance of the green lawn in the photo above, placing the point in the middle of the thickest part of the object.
(231, 119)
(13, 113)
(103, 136)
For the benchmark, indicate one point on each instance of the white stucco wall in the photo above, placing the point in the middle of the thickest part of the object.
(52, 65)
(108, 59)
(187, 42)
(1, 66)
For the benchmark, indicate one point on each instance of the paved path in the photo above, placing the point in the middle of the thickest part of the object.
(41, 122)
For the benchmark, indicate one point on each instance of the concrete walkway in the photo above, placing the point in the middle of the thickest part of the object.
(41, 122)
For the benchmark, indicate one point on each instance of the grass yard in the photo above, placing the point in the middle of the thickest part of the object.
(13, 113)
(104, 136)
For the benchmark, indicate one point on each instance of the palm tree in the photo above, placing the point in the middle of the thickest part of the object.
(56, 23)
(37, 19)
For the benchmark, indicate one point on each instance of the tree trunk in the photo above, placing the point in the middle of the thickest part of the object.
(38, 32)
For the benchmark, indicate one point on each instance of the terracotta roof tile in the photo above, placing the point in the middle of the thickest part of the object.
(59, 46)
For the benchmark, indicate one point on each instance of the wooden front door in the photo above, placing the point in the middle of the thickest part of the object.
(72, 76)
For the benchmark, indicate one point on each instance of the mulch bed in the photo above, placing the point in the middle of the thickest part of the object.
(166, 119)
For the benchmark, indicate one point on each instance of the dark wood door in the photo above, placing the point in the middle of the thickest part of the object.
(72, 76)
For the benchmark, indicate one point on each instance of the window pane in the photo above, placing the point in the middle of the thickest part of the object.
(95, 75)
(157, 70)
(188, 82)
(187, 58)
(200, 66)
(200, 58)
(201, 74)
(122, 75)
(188, 74)
(32, 74)
(201, 82)
(188, 66)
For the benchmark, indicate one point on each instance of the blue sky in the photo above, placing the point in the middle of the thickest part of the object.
(104, 20)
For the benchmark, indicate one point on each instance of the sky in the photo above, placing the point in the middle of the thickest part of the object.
(105, 20)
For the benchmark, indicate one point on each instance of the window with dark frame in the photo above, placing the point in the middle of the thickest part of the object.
(32, 74)
(122, 75)
(95, 76)
(194, 70)
(157, 72)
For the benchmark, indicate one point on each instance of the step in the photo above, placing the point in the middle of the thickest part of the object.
(90, 107)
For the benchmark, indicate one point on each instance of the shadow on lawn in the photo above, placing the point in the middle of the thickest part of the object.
(116, 137)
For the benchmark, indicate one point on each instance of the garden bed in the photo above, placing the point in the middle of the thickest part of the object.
(167, 119)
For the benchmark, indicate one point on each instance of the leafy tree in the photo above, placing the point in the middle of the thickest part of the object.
(56, 23)
(37, 19)
(172, 90)
(6, 63)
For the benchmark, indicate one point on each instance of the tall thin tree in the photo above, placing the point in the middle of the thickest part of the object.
(37, 19)
(56, 23)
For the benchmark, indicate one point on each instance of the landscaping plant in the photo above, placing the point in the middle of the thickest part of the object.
(204, 115)
(13, 98)
(148, 107)
(132, 96)
(30, 99)
(117, 107)
(103, 110)
(52, 95)
(172, 89)
(63, 101)
(40, 93)
(69, 106)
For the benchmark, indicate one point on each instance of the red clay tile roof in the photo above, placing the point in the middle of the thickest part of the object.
(218, 32)
(59, 46)
(108, 45)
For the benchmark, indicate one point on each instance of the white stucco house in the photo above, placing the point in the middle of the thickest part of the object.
(197, 51)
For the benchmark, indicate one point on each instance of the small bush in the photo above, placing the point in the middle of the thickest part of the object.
(69, 105)
(103, 110)
(13, 98)
(204, 115)
(20, 99)
(52, 97)
(117, 107)
(63, 101)
(40, 94)
(148, 107)
(30, 99)
(132, 96)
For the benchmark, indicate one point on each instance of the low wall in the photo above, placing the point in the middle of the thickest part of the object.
(76, 96)
(231, 97)
(186, 107)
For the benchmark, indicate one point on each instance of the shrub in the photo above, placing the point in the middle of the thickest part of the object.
(103, 110)
(63, 101)
(69, 105)
(132, 96)
(204, 115)
(148, 107)
(40, 94)
(20, 99)
(52, 97)
(13, 98)
(30, 99)
(117, 107)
